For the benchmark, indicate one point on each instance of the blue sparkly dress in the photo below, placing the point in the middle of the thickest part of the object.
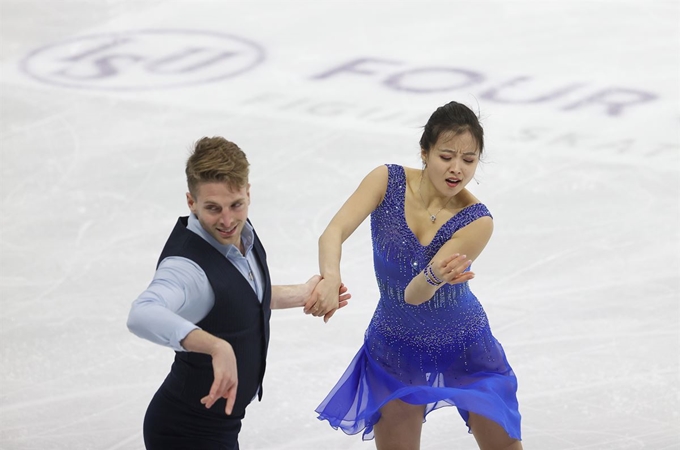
(439, 353)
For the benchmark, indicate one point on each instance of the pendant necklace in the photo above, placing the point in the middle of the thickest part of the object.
(433, 217)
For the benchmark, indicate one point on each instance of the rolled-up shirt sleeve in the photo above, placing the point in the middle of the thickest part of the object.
(178, 297)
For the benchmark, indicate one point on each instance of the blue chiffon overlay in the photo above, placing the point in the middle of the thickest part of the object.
(439, 353)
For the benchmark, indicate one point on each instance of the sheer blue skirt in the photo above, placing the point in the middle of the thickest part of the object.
(353, 405)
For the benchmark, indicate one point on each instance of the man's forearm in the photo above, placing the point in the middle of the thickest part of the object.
(200, 341)
(289, 296)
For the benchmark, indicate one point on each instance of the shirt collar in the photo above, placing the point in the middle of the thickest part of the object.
(247, 237)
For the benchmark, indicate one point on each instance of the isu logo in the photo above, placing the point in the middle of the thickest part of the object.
(143, 60)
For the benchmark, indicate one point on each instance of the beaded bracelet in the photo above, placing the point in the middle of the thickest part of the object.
(430, 277)
(430, 281)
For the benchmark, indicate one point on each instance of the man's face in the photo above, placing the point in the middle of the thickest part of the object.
(221, 210)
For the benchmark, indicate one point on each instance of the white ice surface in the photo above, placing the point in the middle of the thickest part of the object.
(581, 280)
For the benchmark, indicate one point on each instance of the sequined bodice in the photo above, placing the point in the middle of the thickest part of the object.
(454, 312)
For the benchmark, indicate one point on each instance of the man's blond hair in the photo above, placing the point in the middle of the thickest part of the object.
(216, 159)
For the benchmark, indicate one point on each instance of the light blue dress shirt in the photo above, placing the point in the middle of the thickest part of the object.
(180, 294)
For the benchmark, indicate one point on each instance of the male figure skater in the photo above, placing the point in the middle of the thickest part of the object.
(210, 300)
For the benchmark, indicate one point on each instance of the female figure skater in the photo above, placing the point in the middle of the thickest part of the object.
(429, 343)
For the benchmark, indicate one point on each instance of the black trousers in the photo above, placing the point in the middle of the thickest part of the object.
(170, 424)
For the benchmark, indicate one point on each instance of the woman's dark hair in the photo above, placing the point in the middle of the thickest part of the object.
(454, 118)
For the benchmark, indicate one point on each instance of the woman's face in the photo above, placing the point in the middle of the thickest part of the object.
(452, 162)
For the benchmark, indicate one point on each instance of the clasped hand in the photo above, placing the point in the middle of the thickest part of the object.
(327, 297)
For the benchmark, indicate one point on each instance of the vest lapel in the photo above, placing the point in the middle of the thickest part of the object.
(262, 261)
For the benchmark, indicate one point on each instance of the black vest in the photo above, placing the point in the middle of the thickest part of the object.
(238, 317)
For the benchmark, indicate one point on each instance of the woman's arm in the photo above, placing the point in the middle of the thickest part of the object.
(450, 262)
(358, 206)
